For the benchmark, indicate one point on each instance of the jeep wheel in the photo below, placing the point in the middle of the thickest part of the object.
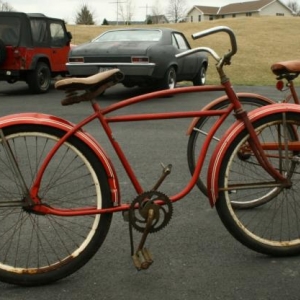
(2, 52)
(39, 80)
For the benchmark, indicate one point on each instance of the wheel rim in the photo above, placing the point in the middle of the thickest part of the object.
(43, 78)
(35, 244)
(275, 222)
(203, 76)
(172, 79)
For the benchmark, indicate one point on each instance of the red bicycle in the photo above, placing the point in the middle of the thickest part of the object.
(59, 189)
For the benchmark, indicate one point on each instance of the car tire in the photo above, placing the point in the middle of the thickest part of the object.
(200, 78)
(39, 80)
(169, 80)
(2, 52)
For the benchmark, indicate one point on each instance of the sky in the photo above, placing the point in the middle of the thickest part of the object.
(67, 9)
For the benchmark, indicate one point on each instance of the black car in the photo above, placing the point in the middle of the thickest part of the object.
(145, 56)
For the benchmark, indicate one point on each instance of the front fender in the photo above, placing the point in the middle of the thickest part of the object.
(229, 136)
(217, 102)
(62, 124)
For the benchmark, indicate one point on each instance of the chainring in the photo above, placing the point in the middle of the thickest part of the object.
(140, 206)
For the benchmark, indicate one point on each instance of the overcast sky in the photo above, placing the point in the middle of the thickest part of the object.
(66, 9)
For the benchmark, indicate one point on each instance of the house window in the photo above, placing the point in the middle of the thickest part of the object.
(248, 14)
(199, 18)
(279, 14)
(211, 18)
(223, 16)
(233, 15)
(192, 19)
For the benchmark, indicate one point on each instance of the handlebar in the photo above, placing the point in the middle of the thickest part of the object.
(211, 31)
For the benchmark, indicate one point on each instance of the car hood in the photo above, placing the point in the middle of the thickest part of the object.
(109, 48)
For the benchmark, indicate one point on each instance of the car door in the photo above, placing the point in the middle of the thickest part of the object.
(186, 65)
(59, 45)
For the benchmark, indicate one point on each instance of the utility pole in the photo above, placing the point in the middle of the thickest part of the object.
(118, 2)
(146, 7)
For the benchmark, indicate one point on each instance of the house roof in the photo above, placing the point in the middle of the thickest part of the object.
(245, 6)
(250, 6)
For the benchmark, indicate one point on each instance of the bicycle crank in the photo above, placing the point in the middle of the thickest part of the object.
(148, 213)
(142, 258)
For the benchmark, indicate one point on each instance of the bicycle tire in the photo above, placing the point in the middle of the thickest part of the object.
(203, 125)
(38, 249)
(271, 228)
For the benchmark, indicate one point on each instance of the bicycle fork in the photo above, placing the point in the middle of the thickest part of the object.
(259, 153)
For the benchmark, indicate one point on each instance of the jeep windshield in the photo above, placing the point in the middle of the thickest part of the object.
(10, 30)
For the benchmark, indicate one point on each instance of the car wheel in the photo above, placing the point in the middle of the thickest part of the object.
(169, 80)
(200, 78)
(2, 52)
(39, 80)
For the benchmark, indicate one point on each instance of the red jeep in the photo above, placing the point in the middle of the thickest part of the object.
(33, 48)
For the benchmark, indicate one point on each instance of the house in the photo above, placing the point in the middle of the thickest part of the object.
(243, 9)
(157, 19)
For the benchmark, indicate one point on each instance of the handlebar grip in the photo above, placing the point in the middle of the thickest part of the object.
(216, 30)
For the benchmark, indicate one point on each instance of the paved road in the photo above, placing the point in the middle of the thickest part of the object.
(195, 257)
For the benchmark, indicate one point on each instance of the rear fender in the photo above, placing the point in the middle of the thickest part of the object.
(224, 98)
(228, 137)
(59, 123)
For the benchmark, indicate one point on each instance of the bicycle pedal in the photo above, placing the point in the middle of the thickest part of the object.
(142, 259)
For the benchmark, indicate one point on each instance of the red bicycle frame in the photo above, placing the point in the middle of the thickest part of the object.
(101, 115)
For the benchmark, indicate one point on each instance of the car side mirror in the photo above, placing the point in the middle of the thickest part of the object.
(69, 36)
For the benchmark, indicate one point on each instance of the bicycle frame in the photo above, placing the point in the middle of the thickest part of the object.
(101, 115)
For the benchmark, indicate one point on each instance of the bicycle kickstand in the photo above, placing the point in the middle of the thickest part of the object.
(142, 258)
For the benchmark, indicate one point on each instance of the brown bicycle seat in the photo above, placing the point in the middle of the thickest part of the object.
(76, 83)
(286, 67)
(92, 86)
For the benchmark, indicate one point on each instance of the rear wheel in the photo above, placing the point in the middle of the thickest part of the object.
(271, 228)
(169, 80)
(202, 127)
(38, 248)
(200, 78)
(39, 80)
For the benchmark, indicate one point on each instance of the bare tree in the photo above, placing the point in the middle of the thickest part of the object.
(176, 10)
(126, 11)
(156, 11)
(84, 16)
(5, 6)
(294, 6)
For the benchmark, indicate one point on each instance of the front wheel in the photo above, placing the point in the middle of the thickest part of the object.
(37, 249)
(271, 228)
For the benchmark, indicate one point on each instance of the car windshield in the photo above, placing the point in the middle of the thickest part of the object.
(129, 35)
(10, 30)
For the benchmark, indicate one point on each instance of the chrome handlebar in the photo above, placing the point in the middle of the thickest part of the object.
(211, 31)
